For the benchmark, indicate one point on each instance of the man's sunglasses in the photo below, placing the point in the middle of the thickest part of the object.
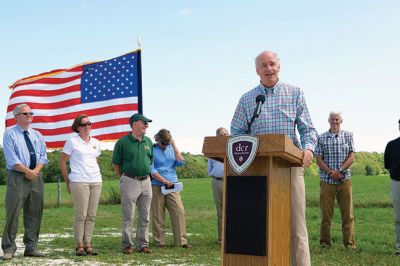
(27, 113)
(85, 124)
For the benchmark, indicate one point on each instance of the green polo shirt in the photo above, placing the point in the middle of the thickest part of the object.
(133, 156)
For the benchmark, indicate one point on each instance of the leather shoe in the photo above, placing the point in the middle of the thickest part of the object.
(8, 256)
(187, 245)
(33, 253)
(129, 250)
(146, 250)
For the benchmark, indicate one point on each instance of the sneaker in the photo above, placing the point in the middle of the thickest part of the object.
(8, 256)
(33, 253)
(129, 250)
(146, 250)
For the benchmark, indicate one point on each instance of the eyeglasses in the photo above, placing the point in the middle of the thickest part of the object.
(85, 124)
(27, 113)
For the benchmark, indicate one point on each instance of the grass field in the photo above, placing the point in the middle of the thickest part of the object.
(373, 222)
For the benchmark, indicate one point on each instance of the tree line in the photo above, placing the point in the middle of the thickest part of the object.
(366, 163)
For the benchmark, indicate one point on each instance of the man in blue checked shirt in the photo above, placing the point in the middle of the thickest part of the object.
(284, 110)
(335, 154)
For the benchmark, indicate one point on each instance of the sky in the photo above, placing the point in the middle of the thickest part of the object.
(198, 57)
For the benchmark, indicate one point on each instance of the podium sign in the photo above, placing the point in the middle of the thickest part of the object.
(241, 151)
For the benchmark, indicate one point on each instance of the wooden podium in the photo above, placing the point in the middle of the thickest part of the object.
(256, 206)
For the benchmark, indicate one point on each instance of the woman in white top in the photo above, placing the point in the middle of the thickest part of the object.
(83, 182)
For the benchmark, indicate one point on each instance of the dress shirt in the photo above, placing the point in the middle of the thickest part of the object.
(16, 151)
(165, 164)
(283, 110)
(335, 149)
(215, 168)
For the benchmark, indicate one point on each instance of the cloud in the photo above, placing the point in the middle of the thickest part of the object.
(186, 11)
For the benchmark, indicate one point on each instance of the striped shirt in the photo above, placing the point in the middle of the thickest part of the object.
(284, 109)
(335, 149)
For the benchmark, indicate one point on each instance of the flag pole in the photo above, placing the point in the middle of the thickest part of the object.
(139, 42)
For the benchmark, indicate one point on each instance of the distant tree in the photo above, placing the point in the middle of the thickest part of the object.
(195, 167)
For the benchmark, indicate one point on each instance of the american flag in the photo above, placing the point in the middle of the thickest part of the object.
(109, 92)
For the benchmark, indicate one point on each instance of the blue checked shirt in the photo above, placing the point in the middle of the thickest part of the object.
(283, 110)
(335, 148)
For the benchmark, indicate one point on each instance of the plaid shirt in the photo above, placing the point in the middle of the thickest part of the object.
(335, 149)
(283, 110)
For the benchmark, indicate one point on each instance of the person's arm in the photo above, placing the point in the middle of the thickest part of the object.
(209, 167)
(178, 156)
(42, 159)
(334, 174)
(308, 133)
(348, 162)
(387, 158)
(157, 176)
(63, 167)
(117, 169)
(29, 174)
(308, 155)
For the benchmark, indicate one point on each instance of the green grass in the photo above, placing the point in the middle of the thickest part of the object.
(373, 223)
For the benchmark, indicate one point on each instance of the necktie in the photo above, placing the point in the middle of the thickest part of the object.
(32, 152)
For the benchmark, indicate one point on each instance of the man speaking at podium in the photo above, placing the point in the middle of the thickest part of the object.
(284, 110)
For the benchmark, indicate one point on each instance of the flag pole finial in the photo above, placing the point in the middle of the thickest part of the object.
(139, 42)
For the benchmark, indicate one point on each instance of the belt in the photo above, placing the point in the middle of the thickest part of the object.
(218, 178)
(143, 177)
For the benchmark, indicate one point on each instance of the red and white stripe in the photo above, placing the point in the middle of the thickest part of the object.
(54, 98)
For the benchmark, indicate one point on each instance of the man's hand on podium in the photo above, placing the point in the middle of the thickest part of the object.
(307, 158)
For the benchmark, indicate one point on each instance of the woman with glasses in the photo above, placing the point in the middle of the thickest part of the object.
(166, 158)
(83, 182)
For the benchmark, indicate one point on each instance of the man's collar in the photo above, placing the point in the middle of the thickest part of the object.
(274, 89)
(334, 134)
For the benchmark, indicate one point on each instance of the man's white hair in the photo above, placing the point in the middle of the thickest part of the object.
(257, 59)
(18, 108)
(335, 113)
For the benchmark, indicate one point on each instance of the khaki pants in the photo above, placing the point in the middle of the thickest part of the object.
(86, 199)
(173, 203)
(299, 251)
(217, 189)
(343, 194)
(135, 193)
(27, 195)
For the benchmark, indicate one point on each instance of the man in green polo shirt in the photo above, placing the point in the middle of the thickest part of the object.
(131, 160)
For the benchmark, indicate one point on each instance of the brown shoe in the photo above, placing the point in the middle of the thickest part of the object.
(146, 250)
(161, 245)
(129, 250)
(187, 245)
(80, 251)
(91, 252)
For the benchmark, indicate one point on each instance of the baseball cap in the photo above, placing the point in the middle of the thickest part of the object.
(139, 117)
